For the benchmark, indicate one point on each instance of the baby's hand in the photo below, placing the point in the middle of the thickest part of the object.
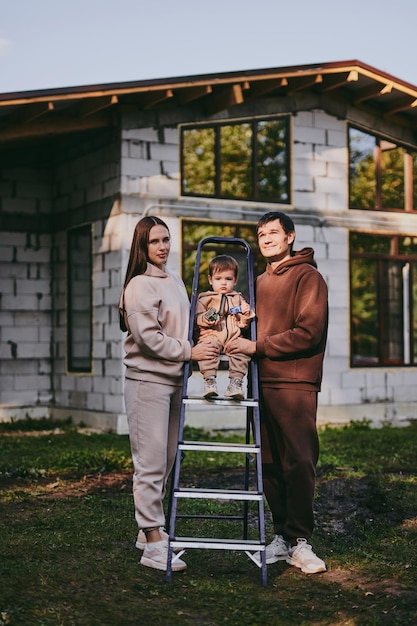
(245, 308)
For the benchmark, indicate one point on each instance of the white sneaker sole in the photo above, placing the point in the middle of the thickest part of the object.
(270, 560)
(176, 566)
(304, 569)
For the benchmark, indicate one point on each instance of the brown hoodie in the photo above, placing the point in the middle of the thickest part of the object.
(292, 312)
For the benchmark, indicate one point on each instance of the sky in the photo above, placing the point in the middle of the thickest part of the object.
(46, 44)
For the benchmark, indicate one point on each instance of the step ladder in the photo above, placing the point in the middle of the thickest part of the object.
(252, 491)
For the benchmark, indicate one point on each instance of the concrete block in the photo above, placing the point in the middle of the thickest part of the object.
(328, 122)
(325, 184)
(338, 171)
(165, 152)
(161, 186)
(304, 119)
(21, 334)
(113, 404)
(309, 135)
(303, 151)
(19, 205)
(31, 382)
(138, 149)
(303, 183)
(83, 383)
(96, 402)
(38, 350)
(337, 138)
(305, 200)
(337, 202)
(305, 167)
(32, 287)
(171, 136)
(330, 154)
(143, 134)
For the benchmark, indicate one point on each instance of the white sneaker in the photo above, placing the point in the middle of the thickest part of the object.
(234, 389)
(155, 555)
(210, 387)
(302, 556)
(277, 550)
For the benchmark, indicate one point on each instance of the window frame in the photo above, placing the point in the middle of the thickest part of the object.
(72, 366)
(409, 176)
(216, 127)
(409, 344)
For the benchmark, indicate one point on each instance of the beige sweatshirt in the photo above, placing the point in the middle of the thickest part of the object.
(157, 313)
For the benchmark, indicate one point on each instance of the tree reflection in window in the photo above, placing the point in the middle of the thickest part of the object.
(245, 160)
(377, 174)
(383, 290)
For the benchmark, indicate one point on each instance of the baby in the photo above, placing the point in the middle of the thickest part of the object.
(221, 313)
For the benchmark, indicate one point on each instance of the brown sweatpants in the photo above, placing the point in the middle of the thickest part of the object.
(290, 451)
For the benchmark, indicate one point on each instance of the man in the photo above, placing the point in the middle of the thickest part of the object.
(292, 312)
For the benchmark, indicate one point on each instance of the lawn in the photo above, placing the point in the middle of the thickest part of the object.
(67, 554)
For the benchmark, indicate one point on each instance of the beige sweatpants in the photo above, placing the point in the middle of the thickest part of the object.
(153, 411)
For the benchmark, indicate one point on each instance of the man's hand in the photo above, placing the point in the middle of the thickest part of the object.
(241, 346)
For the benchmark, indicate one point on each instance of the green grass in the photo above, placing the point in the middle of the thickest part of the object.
(67, 554)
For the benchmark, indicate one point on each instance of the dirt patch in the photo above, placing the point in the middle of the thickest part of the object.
(65, 487)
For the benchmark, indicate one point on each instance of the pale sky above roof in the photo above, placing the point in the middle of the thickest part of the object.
(52, 43)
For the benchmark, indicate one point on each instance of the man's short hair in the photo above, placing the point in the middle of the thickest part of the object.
(285, 220)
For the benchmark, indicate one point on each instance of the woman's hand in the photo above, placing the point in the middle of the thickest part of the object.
(205, 349)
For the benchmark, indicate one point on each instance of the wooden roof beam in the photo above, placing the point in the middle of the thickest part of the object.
(334, 81)
(263, 87)
(52, 126)
(300, 83)
(370, 92)
(224, 98)
(152, 98)
(31, 112)
(401, 104)
(193, 93)
(93, 105)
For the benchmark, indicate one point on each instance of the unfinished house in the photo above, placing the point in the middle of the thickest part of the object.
(334, 145)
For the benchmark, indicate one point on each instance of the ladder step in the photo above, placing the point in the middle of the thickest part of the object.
(218, 544)
(218, 494)
(219, 447)
(220, 401)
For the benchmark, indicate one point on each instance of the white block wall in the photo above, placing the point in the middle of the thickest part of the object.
(93, 179)
(110, 184)
(25, 300)
(320, 162)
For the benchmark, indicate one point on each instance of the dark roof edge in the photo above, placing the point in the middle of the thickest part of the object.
(172, 81)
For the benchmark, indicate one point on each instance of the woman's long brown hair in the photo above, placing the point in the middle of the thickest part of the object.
(138, 257)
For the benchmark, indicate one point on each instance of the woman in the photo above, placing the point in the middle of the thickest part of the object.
(154, 310)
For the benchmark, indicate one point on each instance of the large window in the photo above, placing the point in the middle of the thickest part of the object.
(383, 175)
(245, 160)
(383, 288)
(79, 274)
